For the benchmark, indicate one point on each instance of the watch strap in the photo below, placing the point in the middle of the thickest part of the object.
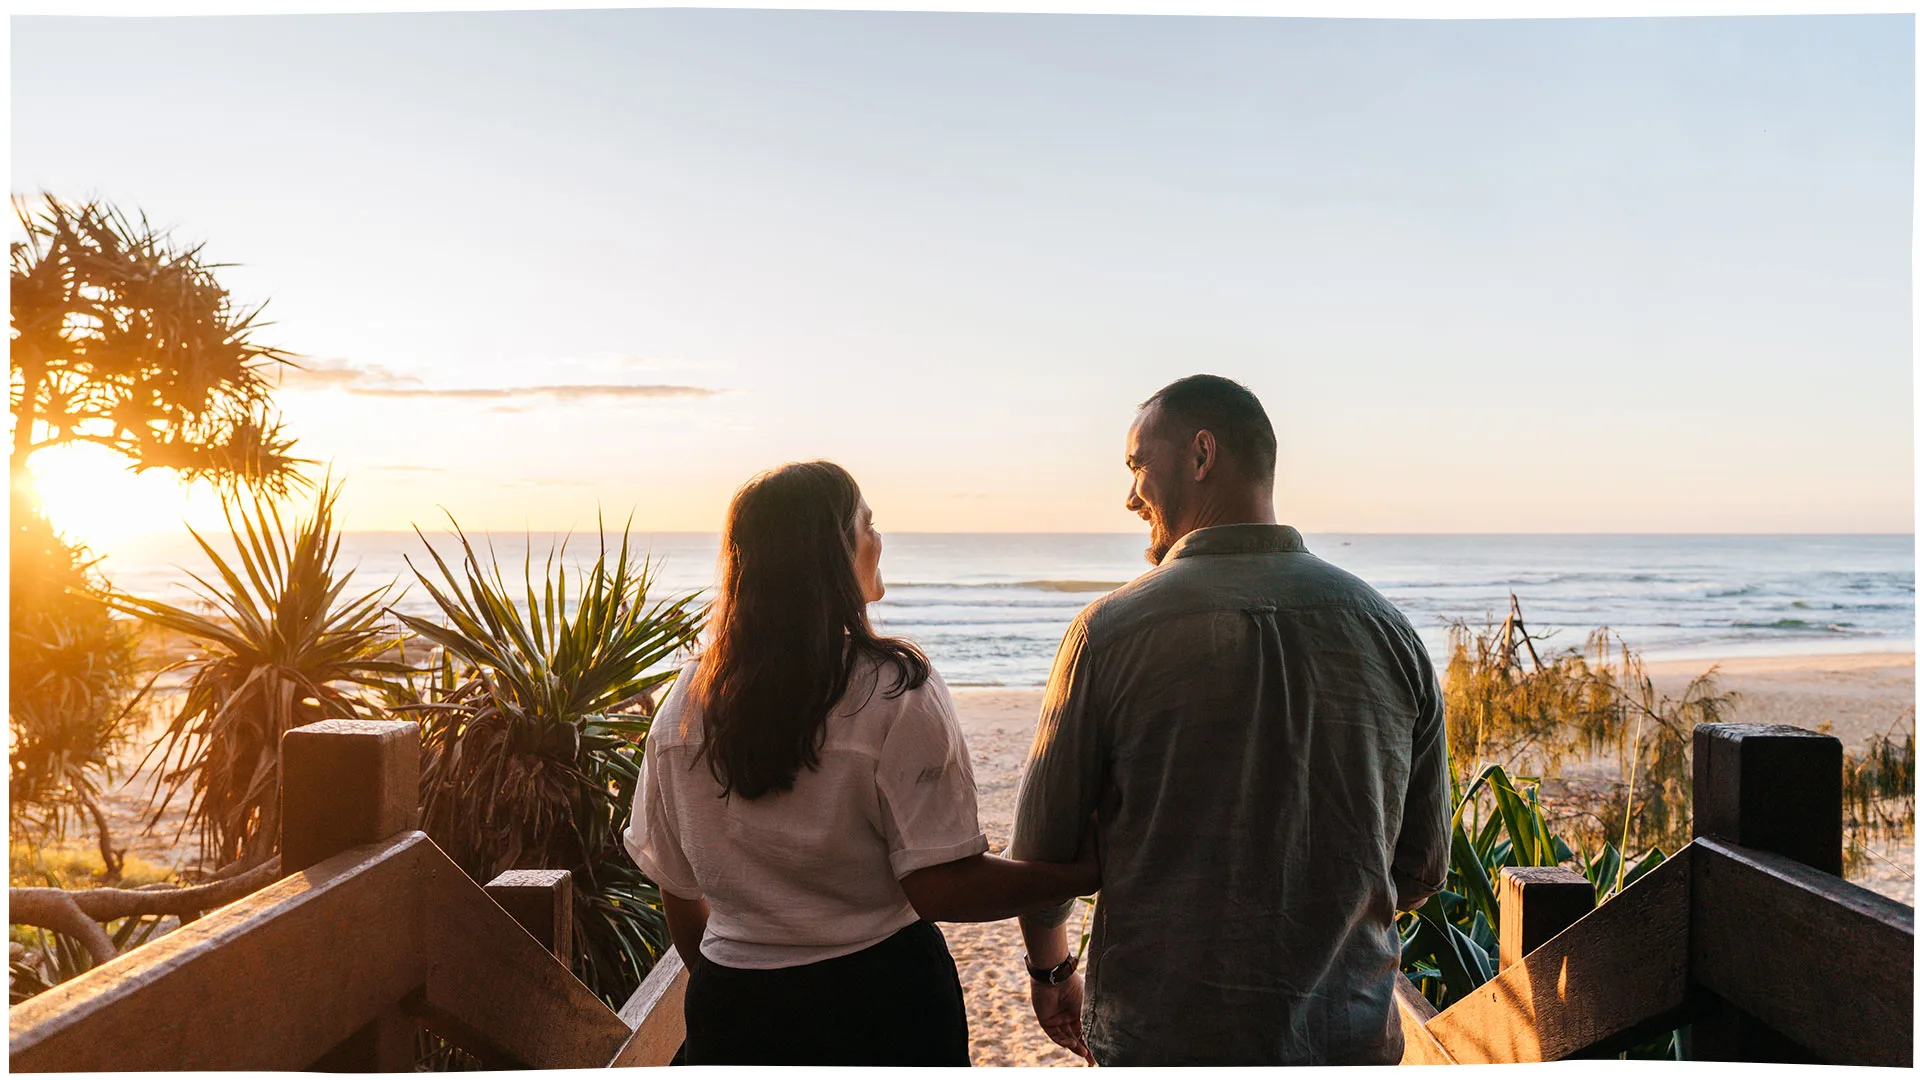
(1055, 975)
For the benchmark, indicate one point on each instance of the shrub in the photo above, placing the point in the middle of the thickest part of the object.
(73, 671)
(283, 649)
(1583, 703)
(531, 732)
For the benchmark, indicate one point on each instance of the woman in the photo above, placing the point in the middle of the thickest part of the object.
(806, 806)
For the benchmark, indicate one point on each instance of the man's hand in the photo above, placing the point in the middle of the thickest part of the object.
(1058, 1010)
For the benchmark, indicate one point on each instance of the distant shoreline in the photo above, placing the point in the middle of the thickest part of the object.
(1794, 656)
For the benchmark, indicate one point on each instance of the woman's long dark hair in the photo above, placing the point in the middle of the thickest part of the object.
(789, 624)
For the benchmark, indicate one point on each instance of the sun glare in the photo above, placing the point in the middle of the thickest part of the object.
(92, 497)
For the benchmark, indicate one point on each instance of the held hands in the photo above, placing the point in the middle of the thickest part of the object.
(1057, 1006)
(1058, 1010)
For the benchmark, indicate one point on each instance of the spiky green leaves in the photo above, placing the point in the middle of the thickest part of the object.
(531, 729)
(284, 646)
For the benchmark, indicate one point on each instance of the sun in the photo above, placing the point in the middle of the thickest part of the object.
(93, 498)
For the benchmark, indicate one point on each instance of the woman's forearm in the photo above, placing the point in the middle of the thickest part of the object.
(686, 925)
(987, 888)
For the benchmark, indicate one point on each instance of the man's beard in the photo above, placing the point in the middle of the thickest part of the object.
(1159, 540)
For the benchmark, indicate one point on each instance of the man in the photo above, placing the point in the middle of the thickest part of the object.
(1262, 737)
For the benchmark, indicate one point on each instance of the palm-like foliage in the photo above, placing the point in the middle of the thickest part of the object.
(73, 671)
(123, 340)
(531, 732)
(1451, 945)
(284, 648)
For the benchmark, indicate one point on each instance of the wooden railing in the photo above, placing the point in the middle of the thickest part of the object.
(1748, 935)
(373, 934)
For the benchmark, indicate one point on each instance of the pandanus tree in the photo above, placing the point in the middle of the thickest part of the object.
(72, 677)
(285, 645)
(532, 727)
(124, 340)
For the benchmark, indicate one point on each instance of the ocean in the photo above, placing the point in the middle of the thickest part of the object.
(989, 609)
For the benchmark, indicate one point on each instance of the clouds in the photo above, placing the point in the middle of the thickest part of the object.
(555, 391)
(314, 373)
(372, 380)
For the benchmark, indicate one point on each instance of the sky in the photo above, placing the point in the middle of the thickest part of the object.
(1579, 275)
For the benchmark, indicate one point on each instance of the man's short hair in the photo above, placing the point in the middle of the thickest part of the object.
(1224, 407)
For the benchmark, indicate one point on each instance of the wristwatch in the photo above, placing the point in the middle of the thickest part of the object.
(1055, 975)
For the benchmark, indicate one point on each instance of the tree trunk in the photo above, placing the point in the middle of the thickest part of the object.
(115, 861)
(33, 371)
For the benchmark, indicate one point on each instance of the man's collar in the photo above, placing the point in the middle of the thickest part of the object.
(1237, 540)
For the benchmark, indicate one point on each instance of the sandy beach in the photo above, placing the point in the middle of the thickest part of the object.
(1860, 695)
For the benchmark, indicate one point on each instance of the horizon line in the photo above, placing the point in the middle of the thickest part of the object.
(1068, 532)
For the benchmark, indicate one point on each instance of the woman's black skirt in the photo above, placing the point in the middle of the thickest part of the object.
(895, 1003)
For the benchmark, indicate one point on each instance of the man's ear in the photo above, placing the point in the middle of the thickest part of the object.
(1205, 454)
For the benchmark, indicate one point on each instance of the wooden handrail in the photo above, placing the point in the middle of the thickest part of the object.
(272, 980)
(277, 979)
(1421, 1048)
(654, 1012)
(496, 992)
(1618, 973)
(1822, 961)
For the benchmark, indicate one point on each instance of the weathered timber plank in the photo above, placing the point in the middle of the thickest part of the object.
(1771, 787)
(1823, 962)
(1537, 902)
(344, 783)
(655, 1013)
(1421, 1048)
(541, 901)
(269, 982)
(492, 990)
(1617, 972)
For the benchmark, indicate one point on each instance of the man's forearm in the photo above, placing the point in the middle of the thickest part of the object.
(1046, 936)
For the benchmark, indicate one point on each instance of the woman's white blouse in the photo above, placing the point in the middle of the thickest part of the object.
(813, 873)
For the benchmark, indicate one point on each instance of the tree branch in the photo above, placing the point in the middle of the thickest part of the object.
(57, 909)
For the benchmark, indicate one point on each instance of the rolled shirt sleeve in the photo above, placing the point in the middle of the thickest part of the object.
(1066, 768)
(652, 836)
(1420, 854)
(928, 806)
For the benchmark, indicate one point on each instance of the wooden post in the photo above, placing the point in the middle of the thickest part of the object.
(1536, 903)
(541, 901)
(1776, 789)
(1769, 787)
(344, 783)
